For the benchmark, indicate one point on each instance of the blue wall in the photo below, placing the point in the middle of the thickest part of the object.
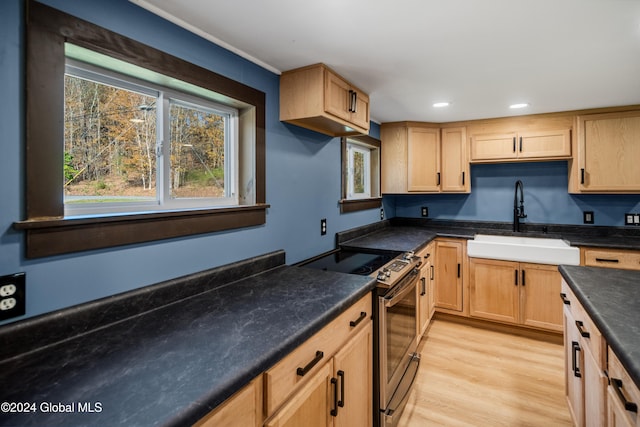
(545, 197)
(303, 175)
(303, 180)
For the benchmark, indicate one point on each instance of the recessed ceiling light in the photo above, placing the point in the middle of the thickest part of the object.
(518, 105)
(441, 104)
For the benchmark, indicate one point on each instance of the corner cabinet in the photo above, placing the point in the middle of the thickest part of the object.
(525, 146)
(608, 149)
(517, 293)
(317, 98)
(422, 158)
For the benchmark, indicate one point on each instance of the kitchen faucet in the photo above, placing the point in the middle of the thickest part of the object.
(518, 212)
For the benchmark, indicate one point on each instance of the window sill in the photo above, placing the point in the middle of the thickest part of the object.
(353, 205)
(56, 236)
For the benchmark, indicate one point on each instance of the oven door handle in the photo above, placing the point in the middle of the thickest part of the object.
(401, 289)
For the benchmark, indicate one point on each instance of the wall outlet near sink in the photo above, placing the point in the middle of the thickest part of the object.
(424, 211)
(631, 219)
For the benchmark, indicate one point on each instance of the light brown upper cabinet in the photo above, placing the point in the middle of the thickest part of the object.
(422, 158)
(524, 145)
(317, 98)
(608, 149)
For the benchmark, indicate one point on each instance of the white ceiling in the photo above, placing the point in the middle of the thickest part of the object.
(479, 55)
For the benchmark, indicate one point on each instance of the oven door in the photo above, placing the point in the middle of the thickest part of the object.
(398, 344)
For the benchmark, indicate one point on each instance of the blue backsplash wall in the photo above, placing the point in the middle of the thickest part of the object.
(546, 198)
(302, 174)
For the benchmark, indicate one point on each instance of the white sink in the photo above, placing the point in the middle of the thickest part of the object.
(525, 249)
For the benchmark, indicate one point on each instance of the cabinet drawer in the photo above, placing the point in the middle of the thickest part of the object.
(293, 371)
(611, 258)
(426, 254)
(627, 391)
(587, 329)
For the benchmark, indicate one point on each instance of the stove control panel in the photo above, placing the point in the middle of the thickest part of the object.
(396, 269)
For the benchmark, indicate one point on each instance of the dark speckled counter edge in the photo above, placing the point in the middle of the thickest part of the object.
(47, 329)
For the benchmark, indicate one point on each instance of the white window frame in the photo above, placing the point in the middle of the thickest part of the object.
(163, 200)
(352, 149)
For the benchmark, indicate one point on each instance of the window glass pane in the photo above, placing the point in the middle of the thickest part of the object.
(109, 143)
(359, 181)
(358, 172)
(198, 143)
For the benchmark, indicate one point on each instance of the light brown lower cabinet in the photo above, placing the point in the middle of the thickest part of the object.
(585, 362)
(623, 396)
(517, 293)
(326, 381)
(338, 394)
(424, 291)
(242, 409)
(611, 258)
(328, 378)
(449, 275)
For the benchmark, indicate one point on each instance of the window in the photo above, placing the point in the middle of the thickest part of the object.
(148, 146)
(361, 173)
(132, 146)
(358, 171)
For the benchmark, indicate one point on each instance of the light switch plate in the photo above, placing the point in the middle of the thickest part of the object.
(588, 217)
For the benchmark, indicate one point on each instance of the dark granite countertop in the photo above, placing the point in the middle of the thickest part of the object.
(406, 234)
(171, 365)
(611, 297)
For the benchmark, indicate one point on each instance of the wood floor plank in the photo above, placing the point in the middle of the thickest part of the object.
(472, 376)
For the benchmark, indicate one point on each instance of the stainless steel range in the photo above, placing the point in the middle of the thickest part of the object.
(396, 361)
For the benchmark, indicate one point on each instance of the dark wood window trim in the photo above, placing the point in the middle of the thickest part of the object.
(354, 205)
(47, 231)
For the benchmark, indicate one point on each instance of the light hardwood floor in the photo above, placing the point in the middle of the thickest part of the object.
(471, 376)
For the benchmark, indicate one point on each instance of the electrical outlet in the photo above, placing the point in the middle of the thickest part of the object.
(424, 211)
(629, 219)
(7, 304)
(587, 217)
(7, 290)
(381, 214)
(12, 295)
(323, 226)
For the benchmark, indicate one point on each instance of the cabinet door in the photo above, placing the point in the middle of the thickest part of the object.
(242, 409)
(594, 391)
(393, 159)
(353, 368)
(574, 369)
(493, 146)
(311, 406)
(337, 97)
(608, 152)
(617, 416)
(423, 299)
(540, 305)
(544, 144)
(455, 164)
(494, 290)
(423, 153)
(448, 275)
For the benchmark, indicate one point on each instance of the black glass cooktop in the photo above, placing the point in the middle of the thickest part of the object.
(351, 262)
